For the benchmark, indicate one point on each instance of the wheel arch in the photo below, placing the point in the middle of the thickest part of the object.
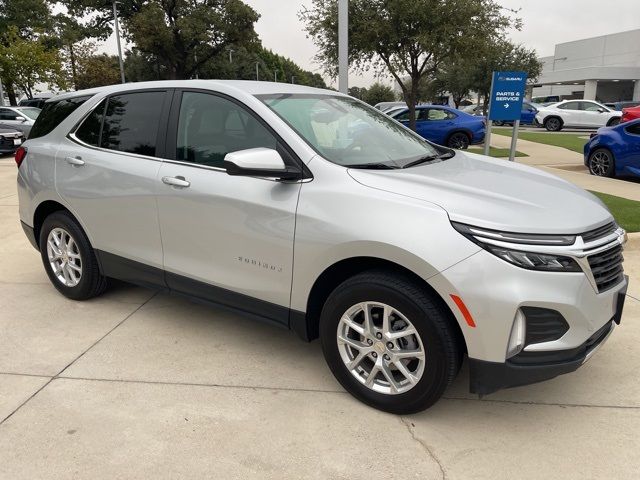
(464, 130)
(46, 208)
(307, 324)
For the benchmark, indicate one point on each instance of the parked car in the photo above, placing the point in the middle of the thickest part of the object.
(20, 118)
(576, 114)
(477, 110)
(384, 106)
(10, 139)
(445, 125)
(629, 114)
(620, 106)
(393, 110)
(614, 151)
(527, 116)
(37, 102)
(311, 210)
(548, 99)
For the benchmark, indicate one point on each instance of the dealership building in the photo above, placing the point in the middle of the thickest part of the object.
(605, 68)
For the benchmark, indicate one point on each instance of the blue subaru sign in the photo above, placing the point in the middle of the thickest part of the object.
(507, 95)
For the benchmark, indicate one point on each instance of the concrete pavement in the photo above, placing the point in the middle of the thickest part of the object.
(140, 385)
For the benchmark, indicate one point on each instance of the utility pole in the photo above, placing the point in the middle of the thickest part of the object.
(117, 30)
(257, 77)
(2, 95)
(292, 79)
(275, 75)
(230, 55)
(343, 46)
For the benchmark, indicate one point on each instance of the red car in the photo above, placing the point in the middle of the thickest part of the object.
(629, 114)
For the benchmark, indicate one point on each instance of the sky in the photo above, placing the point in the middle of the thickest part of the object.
(546, 22)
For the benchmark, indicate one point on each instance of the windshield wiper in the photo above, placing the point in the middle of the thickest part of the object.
(373, 166)
(429, 158)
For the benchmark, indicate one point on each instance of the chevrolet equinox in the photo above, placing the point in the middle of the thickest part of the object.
(310, 210)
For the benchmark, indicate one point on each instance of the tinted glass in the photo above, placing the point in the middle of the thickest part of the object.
(89, 131)
(131, 122)
(53, 113)
(209, 127)
(6, 114)
(634, 129)
(570, 106)
(589, 106)
(348, 132)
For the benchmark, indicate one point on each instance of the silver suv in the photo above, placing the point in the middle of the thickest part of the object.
(310, 210)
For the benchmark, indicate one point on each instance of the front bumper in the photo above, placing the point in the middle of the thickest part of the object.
(533, 367)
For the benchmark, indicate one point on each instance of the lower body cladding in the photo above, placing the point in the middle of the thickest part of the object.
(525, 326)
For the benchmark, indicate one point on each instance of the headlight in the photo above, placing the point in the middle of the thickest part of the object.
(522, 258)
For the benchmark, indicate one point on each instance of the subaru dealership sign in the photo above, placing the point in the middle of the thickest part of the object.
(507, 94)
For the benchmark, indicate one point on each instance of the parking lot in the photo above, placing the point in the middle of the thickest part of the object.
(137, 384)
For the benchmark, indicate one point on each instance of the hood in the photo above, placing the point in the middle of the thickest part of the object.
(495, 194)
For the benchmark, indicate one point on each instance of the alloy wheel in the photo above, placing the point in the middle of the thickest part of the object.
(600, 163)
(64, 257)
(459, 141)
(381, 348)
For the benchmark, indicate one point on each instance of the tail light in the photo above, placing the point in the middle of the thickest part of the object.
(21, 153)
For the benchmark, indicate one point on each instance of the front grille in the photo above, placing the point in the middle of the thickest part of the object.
(606, 268)
(599, 232)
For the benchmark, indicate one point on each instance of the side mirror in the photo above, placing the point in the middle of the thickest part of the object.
(259, 162)
(21, 119)
(601, 110)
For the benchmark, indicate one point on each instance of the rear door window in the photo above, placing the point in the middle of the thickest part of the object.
(89, 131)
(131, 122)
(54, 113)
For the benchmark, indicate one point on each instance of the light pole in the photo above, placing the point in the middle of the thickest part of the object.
(257, 63)
(343, 46)
(230, 55)
(117, 29)
(275, 76)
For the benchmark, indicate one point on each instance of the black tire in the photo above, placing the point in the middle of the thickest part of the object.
(91, 282)
(430, 320)
(498, 123)
(613, 122)
(458, 140)
(602, 163)
(553, 124)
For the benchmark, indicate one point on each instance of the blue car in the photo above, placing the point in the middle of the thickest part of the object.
(445, 125)
(527, 116)
(614, 150)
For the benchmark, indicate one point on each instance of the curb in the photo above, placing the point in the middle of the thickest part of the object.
(633, 242)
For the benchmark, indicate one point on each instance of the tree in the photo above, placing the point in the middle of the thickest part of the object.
(97, 71)
(358, 92)
(409, 38)
(25, 63)
(378, 92)
(182, 35)
(456, 78)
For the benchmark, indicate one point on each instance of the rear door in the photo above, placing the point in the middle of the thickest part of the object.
(226, 238)
(571, 113)
(106, 171)
(438, 122)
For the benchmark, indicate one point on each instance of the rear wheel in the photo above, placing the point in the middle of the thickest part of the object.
(601, 163)
(458, 140)
(553, 124)
(389, 342)
(68, 258)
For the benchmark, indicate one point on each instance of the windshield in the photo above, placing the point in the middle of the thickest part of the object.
(31, 112)
(348, 132)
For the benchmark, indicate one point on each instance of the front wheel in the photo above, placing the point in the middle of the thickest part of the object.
(459, 141)
(601, 163)
(389, 342)
(68, 258)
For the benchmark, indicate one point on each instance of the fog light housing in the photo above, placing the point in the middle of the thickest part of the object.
(518, 335)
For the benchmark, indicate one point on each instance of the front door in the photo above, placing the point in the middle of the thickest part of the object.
(106, 171)
(226, 238)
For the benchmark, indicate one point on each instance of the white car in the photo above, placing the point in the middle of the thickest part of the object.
(20, 118)
(577, 113)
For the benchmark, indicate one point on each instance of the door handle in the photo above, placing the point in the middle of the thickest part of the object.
(75, 161)
(178, 181)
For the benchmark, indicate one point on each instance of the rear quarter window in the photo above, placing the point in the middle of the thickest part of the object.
(54, 113)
